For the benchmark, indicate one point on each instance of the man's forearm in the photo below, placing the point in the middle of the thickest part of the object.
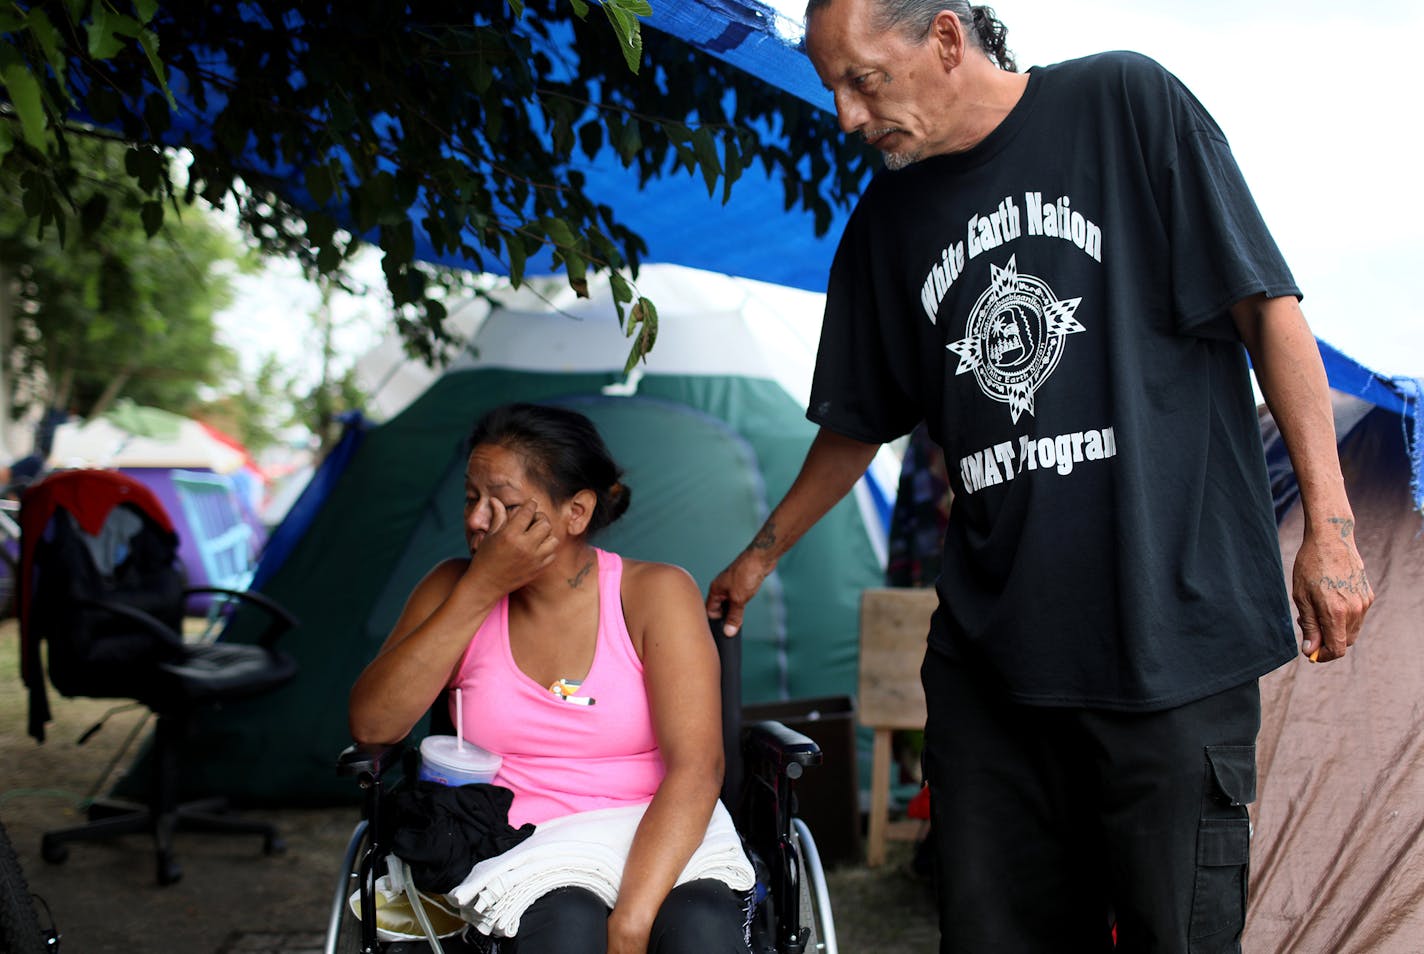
(833, 465)
(1292, 379)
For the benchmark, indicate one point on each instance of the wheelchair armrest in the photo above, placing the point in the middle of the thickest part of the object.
(146, 621)
(280, 619)
(772, 747)
(368, 763)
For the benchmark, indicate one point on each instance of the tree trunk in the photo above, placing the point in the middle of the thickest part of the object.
(111, 392)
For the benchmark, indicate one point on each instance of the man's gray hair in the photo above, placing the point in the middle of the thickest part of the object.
(913, 18)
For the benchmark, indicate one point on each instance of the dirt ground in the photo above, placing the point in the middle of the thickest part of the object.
(104, 899)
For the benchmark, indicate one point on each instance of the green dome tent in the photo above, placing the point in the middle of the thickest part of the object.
(707, 435)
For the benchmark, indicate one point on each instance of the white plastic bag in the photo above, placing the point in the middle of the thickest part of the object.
(397, 916)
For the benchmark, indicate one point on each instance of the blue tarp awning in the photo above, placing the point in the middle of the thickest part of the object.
(1396, 394)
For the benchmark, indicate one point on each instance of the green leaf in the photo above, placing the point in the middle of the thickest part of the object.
(677, 133)
(562, 135)
(152, 215)
(103, 45)
(378, 202)
(591, 137)
(317, 178)
(24, 92)
(558, 231)
(484, 76)
(577, 269)
(49, 40)
(517, 7)
(320, 229)
(399, 240)
(93, 213)
(517, 256)
(145, 164)
(148, 40)
(580, 8)
(630, 141)
(704, 144)
(630, 38)
(145, 9)
(123, 25)
(35, 194)
(643, 329)
(328, 259)
(622, 291)
(435, 313)
(7, 140)
(732, 166)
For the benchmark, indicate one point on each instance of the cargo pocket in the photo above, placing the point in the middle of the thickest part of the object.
(1223, 850)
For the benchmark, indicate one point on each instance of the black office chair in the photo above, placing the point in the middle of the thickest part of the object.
(763, 762)
(101, 585)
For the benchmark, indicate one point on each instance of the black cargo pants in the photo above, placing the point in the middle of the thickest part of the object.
(1052, 825)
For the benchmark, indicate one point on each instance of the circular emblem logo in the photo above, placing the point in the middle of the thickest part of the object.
(1013, 338)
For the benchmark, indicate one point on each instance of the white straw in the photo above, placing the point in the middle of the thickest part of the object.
(459, 722)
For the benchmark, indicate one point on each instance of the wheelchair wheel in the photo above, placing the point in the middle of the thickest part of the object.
(20, 931)
(815, 896)
(343, 929)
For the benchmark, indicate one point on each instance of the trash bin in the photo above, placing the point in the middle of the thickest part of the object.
(827, 796)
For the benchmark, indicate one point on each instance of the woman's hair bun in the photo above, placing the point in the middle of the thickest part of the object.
(616, 499)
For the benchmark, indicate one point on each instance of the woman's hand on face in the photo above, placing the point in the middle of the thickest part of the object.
(520, 544)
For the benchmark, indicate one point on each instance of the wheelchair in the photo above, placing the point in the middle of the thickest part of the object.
(791, 906)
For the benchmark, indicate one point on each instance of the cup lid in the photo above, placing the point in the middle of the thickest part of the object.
(448, 750)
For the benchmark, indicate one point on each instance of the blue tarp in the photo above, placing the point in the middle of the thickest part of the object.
(680, 222)
(753, 235)
(1396, 394)
(299, 517)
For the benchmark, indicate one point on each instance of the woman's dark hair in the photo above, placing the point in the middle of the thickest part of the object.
(562, 450)
(913, 18)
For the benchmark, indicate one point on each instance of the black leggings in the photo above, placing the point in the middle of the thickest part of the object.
(699, 917)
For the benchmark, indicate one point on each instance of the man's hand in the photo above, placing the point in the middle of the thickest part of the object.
(734, 587)
(1331, 591)
(1328, 582)
(832, 466)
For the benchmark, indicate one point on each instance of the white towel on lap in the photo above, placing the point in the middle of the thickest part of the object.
(586, 850)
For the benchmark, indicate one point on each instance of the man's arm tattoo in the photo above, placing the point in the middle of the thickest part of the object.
(1346, 525)
(766, 537)
(1356, 582)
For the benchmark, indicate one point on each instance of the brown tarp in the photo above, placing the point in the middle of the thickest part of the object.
(1338, 852)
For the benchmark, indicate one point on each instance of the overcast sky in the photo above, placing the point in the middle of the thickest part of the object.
(1323, 104)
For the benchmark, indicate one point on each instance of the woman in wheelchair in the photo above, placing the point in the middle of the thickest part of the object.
(592, 676)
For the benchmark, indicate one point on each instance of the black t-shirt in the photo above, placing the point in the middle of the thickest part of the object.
(1054, 303)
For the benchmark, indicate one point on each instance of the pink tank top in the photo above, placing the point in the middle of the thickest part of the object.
(563, 754)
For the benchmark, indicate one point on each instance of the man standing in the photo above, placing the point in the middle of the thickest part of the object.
(1058, 274)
